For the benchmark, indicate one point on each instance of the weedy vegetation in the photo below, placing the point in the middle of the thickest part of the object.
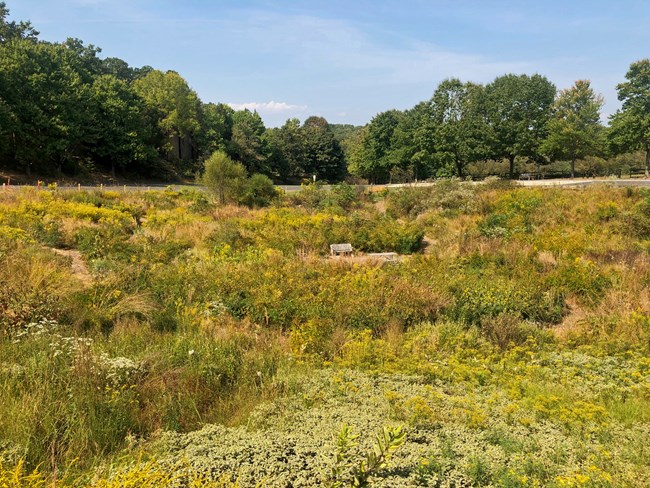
(163, 338)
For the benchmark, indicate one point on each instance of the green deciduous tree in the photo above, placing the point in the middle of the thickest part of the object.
(574, 130)
(117, 128)
(323, 153)
(380, 144)
(456, 127)
(246, 144)
(410, 150)
(517, 109)
(216, 128)
(174, 107)
(47, 99)
(286, 150)
(630, 126)
(7, 123)
(118, 68)
(359, 161)
(381, 147)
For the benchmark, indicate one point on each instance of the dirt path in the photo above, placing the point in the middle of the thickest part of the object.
(428, 245)
(78, 266)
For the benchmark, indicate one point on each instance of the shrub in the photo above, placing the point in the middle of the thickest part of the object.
(581, 277)
(638, 219)
(225, 177)
(338, 198)
(383, 234)
(343, 196)
(258, 191)
(508, 329)
(511, 216)
(448, 196)
(478, 299)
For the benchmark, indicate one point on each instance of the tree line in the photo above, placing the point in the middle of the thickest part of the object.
(64, 110)
(513, 118)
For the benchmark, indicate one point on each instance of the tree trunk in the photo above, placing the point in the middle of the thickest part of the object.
(511, 159)
(647, 162)
(573, 168)
(113, 169)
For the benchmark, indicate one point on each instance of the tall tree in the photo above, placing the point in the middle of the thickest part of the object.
(412, 147)
(630, 126)
(174, 106)
(216, 128)
(384, 146)
(574, 130)
(118, 135)
(286, 148)
(380, 143)
(246, 144)
(84, 59)
(47, 99)
(518, 108)
(360, 163)
(456, 126)
(323, 153)
(118, 68)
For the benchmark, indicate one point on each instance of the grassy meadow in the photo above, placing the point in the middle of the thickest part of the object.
(158, 339)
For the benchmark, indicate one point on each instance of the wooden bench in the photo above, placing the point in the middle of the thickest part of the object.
(341, 249)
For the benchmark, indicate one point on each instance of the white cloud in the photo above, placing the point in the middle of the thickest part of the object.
(363, 57)
(271, 107)
(351, 63)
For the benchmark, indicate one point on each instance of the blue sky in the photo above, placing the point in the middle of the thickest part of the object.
(349, 60)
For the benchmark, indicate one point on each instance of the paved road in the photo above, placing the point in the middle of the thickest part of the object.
(136, 187)
(565, 182)
(584, 182)
(569, 183)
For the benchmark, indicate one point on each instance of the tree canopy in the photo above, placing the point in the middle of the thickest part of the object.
(574, 129)
(630, 126)
(518, 108)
